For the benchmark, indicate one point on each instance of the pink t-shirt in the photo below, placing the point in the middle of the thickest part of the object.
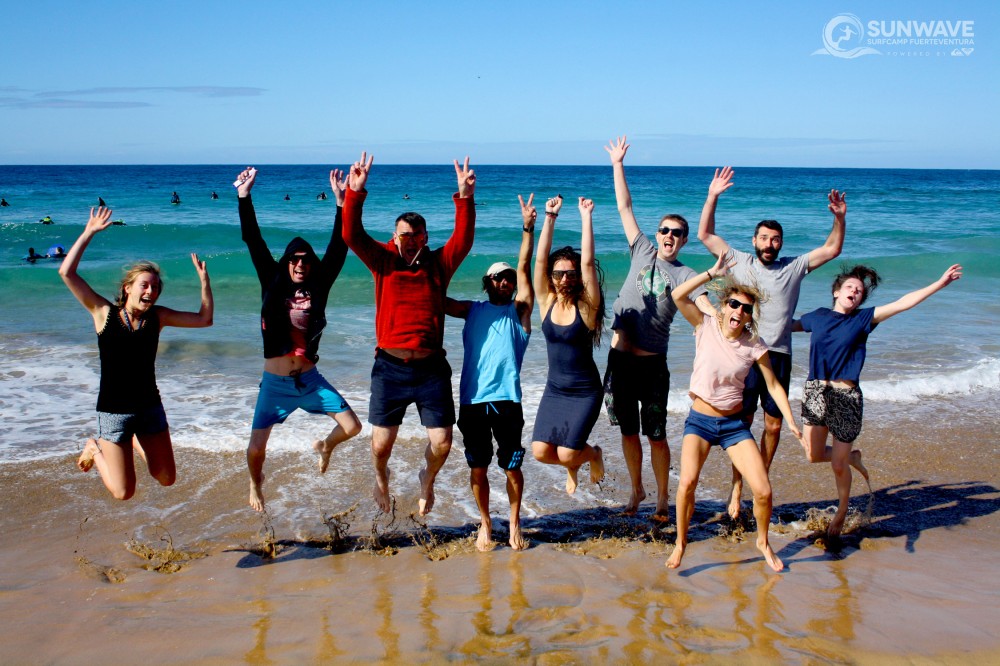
(721, 365)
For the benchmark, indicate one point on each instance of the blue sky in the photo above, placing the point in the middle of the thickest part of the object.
(120, 82)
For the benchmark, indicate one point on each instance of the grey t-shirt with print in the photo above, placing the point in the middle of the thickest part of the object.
(645, 307)
(780, 283)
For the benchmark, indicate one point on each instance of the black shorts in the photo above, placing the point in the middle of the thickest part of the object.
(396, 384)
(632, 379)
(482, 422)
(755, 388)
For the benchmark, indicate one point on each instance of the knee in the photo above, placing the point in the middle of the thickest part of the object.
(540, 450)
(353, 428)
(762, 494)
(686, 486)
(839, 466)
(124, 493)
(772, 427)
(166, 478)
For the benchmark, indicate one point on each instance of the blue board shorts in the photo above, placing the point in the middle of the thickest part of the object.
(279, 396)
(722, 430)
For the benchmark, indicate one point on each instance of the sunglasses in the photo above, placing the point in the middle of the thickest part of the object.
(740, 305)
(500, 277)
(571, 274)
(299, 259)
(671, 231)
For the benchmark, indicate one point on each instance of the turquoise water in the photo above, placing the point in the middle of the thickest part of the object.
(909, 224)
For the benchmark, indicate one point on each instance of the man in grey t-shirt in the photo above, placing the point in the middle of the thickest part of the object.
(780, 279)
(637, 363)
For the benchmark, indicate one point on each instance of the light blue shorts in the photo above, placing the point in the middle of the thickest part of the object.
(280, 396)
(722, 430)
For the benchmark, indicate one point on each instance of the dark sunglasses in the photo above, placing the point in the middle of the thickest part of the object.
(572, 274)
(740, 305)
(500, 277)
(670, 231)
(297, 258)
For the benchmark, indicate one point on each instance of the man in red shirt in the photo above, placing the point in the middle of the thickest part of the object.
(411, 283)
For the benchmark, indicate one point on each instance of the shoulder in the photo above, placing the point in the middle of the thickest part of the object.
(641, 243)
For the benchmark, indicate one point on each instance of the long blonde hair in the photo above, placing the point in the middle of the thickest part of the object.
(724, 287)
(132, 273)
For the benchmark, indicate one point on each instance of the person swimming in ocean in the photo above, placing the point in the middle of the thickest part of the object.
(3, 203)
(31, 257)
(56, 252)
(47, 220)
(130, 414)
(214, 196)
(832, 402)
(175, 198)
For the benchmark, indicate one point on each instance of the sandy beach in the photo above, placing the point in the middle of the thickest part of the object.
(917, 585)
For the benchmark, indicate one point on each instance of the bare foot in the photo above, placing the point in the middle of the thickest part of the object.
(772, 560)
(661, 516)
(634, 501)
(836, 525)
(257, 494)
(674, 560)
(571, 482)
(86, 459)
(324, 450)
(517, 541)
(858, 465)
(734, 507)
(484, 541)
(381, 492)
(597, 466)
(426, 501)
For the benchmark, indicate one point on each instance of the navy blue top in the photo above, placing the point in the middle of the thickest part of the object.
(571, 355)
(838, 344)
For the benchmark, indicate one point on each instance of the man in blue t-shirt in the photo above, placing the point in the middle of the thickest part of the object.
(495, 337)
(780, 279)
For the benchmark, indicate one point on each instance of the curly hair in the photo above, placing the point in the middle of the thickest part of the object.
(724, 287)
(132, 273)
(572, 255)
(868, 278)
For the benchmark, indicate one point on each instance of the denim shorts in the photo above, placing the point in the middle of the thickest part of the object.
(279, 396)
(722, 430)
(119, 428)
(397, 383)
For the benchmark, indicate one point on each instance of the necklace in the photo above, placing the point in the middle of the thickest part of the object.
(128, 321)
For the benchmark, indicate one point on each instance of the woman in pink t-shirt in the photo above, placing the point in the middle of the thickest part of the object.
(726, 346)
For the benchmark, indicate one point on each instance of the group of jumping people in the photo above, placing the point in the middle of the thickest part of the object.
(742, 310)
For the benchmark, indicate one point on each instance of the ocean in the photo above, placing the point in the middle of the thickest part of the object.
(908, 224)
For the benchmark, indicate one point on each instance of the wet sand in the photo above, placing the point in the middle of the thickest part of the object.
(916, 585)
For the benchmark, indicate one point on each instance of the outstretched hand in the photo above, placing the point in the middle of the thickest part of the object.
(721, 182)
(586, 207)
(200, 267)
(466, 179)
(357, 175)
(338, 183)
(100, 220)
(528, 212)
(838, 203)
(721, 266)
(244, 182)
(617, 149)
(953, 273)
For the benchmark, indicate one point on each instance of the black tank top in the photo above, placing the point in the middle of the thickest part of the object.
(128, 358)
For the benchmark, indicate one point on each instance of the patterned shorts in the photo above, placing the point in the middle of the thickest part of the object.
(838, 409)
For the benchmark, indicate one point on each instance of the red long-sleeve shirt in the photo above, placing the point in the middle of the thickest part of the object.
(409, 300)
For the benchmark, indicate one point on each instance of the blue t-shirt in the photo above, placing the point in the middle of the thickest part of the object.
(495, 343)
(838, 343)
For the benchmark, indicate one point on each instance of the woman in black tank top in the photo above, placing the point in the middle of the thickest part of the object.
(130, 414)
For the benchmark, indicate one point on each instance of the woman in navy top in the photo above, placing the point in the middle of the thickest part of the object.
(832, 402)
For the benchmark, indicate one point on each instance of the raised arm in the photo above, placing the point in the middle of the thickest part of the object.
(260, 255)
(914, 298)
(525, 296)
(201, 318)
(588, 268)
(835, 241)
(460, 243)
(680, 293)
(96, 305)
(721, 182)
(336, 249)
(366, 247)
(542, 287)
(616, 150)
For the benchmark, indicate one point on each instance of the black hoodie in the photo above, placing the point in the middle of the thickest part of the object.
(276, 284)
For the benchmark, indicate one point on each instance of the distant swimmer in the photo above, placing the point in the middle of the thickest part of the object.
(31, 257)
(3, 203)
(100, 202)
(46, 220)
(406, 196)
(118, 223)
(287, 198)
(321, 196)
(214, 196)
(175, 199)
(56, 252)
(130, 416)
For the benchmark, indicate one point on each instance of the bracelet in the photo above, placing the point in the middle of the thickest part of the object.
(547, 213)
(527, 229)
(709, 274)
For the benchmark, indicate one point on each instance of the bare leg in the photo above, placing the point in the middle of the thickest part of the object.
(694, 451)
(515, 488)
(158, 452)
(86, 460)
(632, 451)
(842, 474)
(114, 463)
(436, 453)
(256, 453)
(347, 426)
(819, 451)
(383, 438)
(748, 460)
(571, 459)
(597, 465)
(480, 482)
(659, 455)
